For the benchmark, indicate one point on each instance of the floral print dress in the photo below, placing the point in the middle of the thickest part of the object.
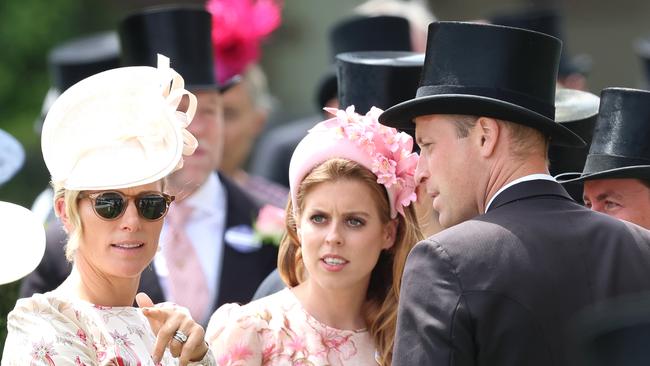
(277, 330)
(52, 330)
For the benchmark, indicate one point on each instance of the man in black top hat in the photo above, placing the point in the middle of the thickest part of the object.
(519, 257)
(616, 174)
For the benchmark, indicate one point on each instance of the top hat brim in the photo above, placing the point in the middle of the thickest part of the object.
(401, 115)
(626, 172)
(221, 88)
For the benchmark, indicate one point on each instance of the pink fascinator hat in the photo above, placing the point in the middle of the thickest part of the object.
(359, 138)
(119, 128)
(238, 28)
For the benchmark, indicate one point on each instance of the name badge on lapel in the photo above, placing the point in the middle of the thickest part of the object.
(242, 238)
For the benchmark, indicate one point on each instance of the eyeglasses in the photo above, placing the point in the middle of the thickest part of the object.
(110, 205)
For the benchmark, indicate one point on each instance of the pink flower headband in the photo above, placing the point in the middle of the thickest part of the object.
(238, 26)
(349, 135)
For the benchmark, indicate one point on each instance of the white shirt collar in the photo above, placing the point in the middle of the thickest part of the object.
(526, 178)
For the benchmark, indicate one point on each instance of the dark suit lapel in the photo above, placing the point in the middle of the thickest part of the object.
(529, 189)
(241, 210)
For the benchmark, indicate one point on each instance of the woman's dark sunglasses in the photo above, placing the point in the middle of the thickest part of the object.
(110, 205)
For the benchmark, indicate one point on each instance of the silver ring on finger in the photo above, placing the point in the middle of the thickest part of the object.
(180, 337)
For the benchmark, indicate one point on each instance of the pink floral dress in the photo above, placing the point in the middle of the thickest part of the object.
(276, 330)
(51, 330)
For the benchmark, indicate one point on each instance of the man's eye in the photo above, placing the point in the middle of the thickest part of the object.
(611, 205)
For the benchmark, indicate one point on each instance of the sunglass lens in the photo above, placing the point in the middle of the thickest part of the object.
(152, 206)
(109, 205)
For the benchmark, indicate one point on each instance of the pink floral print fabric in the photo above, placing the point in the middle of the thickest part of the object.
(276, 330)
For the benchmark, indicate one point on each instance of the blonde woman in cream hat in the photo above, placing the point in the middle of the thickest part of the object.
(109, 142)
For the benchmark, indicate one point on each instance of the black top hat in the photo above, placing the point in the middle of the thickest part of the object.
(378, 33)
(75, 60)
(362, 33)
(619, 148)
(487, 70)
(377, 78)
(548, 21)
(181, 33)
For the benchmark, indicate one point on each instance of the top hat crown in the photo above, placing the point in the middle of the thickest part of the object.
(377, 78)
(377, 33)
(182, 33)
(488, 70)
(619, 147)
(547, 21)
(75, 60)
(363, 33)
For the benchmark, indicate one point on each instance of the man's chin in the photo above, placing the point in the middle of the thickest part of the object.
(187, 179)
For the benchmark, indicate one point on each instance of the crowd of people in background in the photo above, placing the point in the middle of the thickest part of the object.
(460, 197)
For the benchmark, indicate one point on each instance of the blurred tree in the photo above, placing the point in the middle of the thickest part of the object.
(28, 30)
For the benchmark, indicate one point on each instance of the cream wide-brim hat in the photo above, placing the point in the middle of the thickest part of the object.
(118, 128)
(22, 240)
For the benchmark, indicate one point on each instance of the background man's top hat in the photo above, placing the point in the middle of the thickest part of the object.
(361, 33)
(619, 147)
(576, 110)
(514, 80)
(548, 21)
(75, 60)
(181, 33)
(377, 78)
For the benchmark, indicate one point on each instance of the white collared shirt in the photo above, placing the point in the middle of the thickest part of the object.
(205, 229)
(526, 178)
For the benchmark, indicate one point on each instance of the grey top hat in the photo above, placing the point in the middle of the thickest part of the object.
(619, 148)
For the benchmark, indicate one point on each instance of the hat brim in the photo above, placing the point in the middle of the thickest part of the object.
(401, 115)
(626, 172)
(22, 242)
(215, 87)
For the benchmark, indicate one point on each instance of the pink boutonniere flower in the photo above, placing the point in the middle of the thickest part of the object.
(269, 226)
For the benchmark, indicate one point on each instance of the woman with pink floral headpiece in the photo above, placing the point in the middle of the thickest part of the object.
(350, 226)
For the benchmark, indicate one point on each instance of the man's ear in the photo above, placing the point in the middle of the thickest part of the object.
(59, 209)
(487, 135)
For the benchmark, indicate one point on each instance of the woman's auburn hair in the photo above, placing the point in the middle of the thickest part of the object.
(380, 308)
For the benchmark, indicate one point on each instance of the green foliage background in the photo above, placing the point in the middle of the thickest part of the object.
(28, 30)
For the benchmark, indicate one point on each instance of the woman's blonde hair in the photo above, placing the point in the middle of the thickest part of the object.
(380, 308)
(70, 199)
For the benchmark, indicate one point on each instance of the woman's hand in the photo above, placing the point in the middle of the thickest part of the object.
(168, 319)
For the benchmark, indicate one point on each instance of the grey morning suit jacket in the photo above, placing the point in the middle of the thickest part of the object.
(501, 288)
